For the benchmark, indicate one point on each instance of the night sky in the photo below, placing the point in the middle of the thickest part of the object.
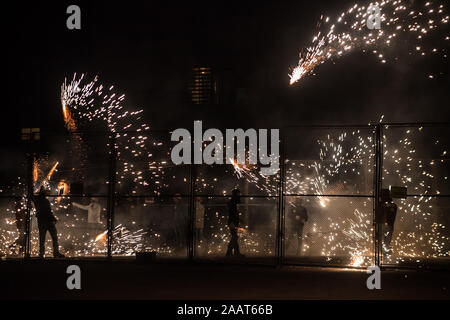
(146, 49)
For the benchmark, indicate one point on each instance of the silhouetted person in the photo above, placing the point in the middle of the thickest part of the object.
(181, 222)
(93, 208)
(20, 214)
(199, 219)
(297, 216)
(385, 219)
(233, 223)
(46, 222)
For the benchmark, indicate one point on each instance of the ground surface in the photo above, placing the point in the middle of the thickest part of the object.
(128, 279)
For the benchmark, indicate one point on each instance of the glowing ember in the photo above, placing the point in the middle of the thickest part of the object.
(101, 237)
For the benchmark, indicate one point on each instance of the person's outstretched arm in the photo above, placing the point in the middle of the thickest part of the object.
(80, 206)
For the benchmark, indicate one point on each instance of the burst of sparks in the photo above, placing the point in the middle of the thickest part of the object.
(349, 32)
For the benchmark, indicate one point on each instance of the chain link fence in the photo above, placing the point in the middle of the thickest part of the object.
(117, 195)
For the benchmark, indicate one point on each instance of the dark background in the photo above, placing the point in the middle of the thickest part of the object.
(147, 50)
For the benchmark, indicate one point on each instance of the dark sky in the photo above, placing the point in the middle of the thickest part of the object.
(147, 49)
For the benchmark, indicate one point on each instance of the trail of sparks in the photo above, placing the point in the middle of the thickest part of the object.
(399, 19)
(91, 104)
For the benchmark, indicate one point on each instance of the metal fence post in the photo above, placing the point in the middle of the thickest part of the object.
(30, 191)
(377, 189)
(280, 218)
(111, 193)
(191, 233)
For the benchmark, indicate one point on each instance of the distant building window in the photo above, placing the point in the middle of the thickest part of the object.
(202, 85)
(31, 134)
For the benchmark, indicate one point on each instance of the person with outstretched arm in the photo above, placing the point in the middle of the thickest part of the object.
(46, 222)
